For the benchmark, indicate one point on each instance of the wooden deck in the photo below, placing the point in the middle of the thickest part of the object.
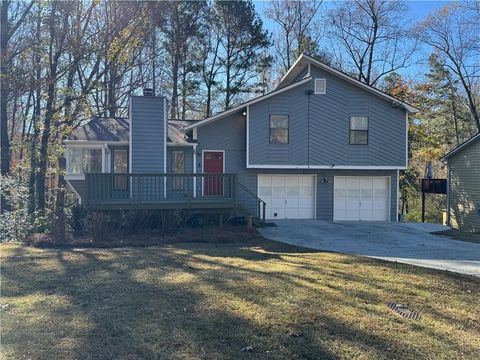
(160, 191)
(170, 204)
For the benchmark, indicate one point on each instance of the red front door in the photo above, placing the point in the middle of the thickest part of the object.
(213, 164)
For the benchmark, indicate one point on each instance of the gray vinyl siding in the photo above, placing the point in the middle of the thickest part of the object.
(80, 187)
(147, 133)
(229, 134)
(464, 188)
(321, 136)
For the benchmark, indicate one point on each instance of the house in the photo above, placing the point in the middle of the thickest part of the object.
(322, 145)
(463, 185)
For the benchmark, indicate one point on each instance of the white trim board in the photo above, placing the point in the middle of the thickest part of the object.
(194, 170)
(398, 194)
(460, 147)
(75, 177)
(325, 167)
(172, 144)
(165, 136)
(248, 136)
(92, 144)
(130, 131)
(245, 104)
(406, 139)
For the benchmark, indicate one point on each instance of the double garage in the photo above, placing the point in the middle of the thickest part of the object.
(355, 198)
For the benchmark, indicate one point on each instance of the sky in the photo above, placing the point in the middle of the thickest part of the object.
(418, 11)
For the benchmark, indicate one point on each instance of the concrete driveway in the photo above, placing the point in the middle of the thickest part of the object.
(409, 243)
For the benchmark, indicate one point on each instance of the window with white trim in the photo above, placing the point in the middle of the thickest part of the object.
(279, 129)
(358, 130)
(320, 86)
(84, 160)
(178, 167)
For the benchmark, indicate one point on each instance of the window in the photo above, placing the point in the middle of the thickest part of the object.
(359, 130)
(120, 161)
(278, 129)
(83, 160)
(178, 167)
(120, 167)
(320, 86)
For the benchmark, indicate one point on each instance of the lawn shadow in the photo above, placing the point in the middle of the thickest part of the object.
(185, 301)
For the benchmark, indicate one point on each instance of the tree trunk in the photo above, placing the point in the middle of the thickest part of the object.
(174, 104)
(209, 100)
(44, 143)
(455, 118)
(5, 144)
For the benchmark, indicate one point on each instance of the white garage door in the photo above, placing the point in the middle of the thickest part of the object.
(361, 198)
(288, 196)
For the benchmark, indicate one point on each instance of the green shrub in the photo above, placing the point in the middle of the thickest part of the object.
(15, 222)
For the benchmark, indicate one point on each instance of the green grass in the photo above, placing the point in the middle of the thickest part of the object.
(210, 301)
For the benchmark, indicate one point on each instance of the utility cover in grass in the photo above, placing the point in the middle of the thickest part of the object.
(402, 310)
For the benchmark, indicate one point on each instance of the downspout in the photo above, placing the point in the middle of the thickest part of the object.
(309, 92)
(448, 194)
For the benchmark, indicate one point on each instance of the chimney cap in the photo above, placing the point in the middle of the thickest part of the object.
(148, 92)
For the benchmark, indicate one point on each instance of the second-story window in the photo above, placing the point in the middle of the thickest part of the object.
(359, 130)
(278, 129)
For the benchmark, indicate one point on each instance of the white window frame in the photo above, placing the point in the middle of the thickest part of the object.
(103, 147)
(367, 130)
(270, 129)
(324, 91)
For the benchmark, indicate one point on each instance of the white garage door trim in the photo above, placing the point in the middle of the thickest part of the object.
(313, 178)
(388, 198)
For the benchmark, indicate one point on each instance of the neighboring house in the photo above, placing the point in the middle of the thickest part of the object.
(322, 145)
(463, 191)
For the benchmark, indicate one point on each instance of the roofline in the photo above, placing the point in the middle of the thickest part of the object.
(460, 147)
(250, 102)
(95, 142)
(411, 109)
(291, 68)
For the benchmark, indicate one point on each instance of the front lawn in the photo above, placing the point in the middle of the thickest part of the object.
(250, 299)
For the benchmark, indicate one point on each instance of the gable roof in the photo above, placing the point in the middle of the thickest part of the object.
(304, 59)
(299, 64)
(102, 129)
(460, 147)
(109, 129)
(241, 106)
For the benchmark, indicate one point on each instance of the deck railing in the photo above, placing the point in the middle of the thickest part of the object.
(136, 188)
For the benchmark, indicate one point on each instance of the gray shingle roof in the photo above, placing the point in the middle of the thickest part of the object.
(117, 129)
(102, 129)
(460, 147)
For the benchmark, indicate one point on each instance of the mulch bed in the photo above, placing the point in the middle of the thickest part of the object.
(226, 234)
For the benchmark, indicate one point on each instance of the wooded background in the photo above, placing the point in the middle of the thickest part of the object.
(63, 62)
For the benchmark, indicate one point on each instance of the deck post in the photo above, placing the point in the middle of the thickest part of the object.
(194, 171)
(263, 213)
(234, 188)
